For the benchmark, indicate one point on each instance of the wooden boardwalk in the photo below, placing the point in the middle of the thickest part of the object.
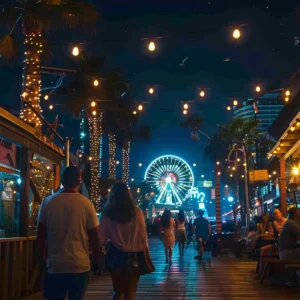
(210, 279)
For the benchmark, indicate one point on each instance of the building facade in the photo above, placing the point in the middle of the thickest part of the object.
(268, 106)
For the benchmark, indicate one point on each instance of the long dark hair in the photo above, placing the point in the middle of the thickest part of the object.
(120, 207)
(180, 216)
(166, 219)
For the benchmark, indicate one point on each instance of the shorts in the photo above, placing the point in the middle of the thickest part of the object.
(57, 285)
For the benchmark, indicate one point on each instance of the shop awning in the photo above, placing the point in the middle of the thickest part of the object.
(289, 142)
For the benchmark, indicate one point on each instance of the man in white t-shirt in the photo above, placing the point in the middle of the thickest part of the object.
(67, 225)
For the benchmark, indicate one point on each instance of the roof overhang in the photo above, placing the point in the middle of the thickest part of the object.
(289, 142)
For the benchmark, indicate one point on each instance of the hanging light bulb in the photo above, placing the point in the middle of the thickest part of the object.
(235, 102)
(257, 89)
(140, 107)
(228, 108)
(75, 51)
(151, 46)
(46, 97)
(93, 104)
(151, 91)
(185, 106)
(184, 111)
(50, 106)
(134, 112)
(94, 113)
(236, 34)
(202, 93)
(96, 83)
(287, 93)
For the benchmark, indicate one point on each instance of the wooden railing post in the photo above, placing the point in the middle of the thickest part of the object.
(283, 187)
(25, 155)
(56, 182)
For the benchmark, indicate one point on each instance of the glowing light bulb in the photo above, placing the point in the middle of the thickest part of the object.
(94, 113)
(202, 93)
(151, 91)
(295, 171)
(50, 106)
(140, 107)
(151, 46)
(75, 51)
(96, 83)
(46, 97)
(24, 94)
(134, 112)
(258, 89)
(184, 111)
(287, 93)
(140, 164)
(228, 108)
(286, 99)
(168, 179)
(235, 102)
(93, 104)
(185, 106)
(236, 33)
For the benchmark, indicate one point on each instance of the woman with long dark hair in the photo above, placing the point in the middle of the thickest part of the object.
(168, 227)
(122, 228)
(181, 232)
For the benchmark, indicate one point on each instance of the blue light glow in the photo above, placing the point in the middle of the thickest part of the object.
(19, 180)
(230, 199)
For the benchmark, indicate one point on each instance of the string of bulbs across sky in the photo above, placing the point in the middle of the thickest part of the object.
(236, 34)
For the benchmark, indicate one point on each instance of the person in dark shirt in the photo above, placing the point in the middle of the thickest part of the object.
(202, 232)
(289, 235)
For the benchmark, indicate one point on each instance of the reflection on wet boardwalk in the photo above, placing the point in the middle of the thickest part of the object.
(211, 279)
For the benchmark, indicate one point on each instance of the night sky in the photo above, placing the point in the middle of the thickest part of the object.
(199, 30)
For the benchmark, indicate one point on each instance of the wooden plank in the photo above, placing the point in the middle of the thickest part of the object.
(222, 278)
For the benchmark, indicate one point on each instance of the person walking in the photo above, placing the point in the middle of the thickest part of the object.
(181, 232)
(123, 231)
(168, 227)
(202, 232)
(67, 225)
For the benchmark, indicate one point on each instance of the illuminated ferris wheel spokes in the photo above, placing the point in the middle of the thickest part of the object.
(172, 177)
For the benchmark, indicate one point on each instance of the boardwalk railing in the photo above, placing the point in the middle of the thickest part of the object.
(19, 272)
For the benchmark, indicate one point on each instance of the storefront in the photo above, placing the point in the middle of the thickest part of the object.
(29, 171)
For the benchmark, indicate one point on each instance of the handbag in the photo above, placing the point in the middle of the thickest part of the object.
(134, 261)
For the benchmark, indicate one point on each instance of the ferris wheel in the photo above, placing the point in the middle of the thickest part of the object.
(172, 177)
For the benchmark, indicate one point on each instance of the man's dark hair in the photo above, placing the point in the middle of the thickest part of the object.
(201, 212)
(71, 176)
(292, 211)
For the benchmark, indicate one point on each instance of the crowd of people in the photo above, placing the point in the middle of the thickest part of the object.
(69, 230)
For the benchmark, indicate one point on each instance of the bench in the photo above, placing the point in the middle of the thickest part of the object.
(274, 260)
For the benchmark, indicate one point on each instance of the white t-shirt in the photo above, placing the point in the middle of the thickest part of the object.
(128, 237)
(67, 217)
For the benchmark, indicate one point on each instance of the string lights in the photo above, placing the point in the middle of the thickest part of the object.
(95, 132)
(32, 78)
(112, 156)
(125, 153)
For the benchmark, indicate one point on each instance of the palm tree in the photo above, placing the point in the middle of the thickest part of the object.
(36, 17)
(194, 123)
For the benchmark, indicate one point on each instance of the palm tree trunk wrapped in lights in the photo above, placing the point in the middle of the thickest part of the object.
(95, 132)
(125, 152)
(112, 156)
(33, 44)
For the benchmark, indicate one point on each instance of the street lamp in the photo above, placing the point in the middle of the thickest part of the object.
(75, 51)
(151, 46)
(236, 34)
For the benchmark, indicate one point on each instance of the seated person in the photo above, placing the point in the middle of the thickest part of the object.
(288, 237)
(279, 220)
(265, 227)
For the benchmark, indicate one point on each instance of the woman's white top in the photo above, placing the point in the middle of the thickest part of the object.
(128, 237)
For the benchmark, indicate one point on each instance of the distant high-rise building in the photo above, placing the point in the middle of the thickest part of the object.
(268, 107)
